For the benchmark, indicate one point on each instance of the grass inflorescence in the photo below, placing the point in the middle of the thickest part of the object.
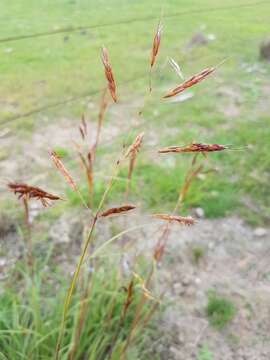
(102, 311)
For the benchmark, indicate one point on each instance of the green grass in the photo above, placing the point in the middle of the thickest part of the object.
(204, 353)
(39, 71)
(30, 313)
(219, 310)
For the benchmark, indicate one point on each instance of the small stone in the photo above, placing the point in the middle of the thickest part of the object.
(198, 281)
(181, 339)
(260, 232)
(265, 50)
(3, 262)
(178, 289)
(185, 280)
(191, 291)
(211, 245)
(174, 351)
(198, 39)
(199, 212)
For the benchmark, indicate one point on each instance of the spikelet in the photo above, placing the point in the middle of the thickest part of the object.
(83, 127)
(117, 210)
(60, 166)
(129, 297)
(155, 46)
(185, 220)
(134, 147)
(190, 82)
(194, 147)
(25, 192)
(108, 73)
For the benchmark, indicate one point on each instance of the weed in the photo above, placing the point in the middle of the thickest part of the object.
(197, 253)
(205, 353)
(220, 310)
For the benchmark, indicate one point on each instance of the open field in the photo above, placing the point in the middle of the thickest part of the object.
(231, 107)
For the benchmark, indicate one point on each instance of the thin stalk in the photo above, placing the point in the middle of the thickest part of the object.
(28, 235)
(80, 262)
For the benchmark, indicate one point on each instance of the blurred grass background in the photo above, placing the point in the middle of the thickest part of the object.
(232, 107)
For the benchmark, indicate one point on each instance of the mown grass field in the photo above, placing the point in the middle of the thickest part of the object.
(41, 71)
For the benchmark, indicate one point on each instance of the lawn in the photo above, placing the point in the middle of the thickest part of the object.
(231, 107)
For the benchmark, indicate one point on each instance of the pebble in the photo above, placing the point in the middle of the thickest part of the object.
(199, 212)
(260, 232)
(178, 289)
(186, 280)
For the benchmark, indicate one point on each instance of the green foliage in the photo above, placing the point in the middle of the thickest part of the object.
(56, 67)
(197, 253)
(205, 353)
(30, 315)
(219, 310)
(61, 151)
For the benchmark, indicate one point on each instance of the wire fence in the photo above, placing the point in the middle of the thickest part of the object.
(133, 20)
(84, 95)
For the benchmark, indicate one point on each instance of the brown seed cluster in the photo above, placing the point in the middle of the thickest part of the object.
(190, 82)
(194, 147)
(155, 46)
(185, 220)
(27, 192)
(117, 210)
(108, 73)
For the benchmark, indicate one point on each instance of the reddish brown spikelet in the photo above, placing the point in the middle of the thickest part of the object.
(185, 220)
(61, 167)
(155, 46)
(129, 297)
(158, 251)
(83, 127)
(117, 210)
(108, 73)
(194, 147)
(190, 82)
(134, 147)
(27, 192)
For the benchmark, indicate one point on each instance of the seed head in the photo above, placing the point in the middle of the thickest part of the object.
(27, 192)
(155, 46)
(185, 220)
(134, 147)
(194, 147)
(60, 166)
(190, 82)
(108, 73)
(117, 210)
